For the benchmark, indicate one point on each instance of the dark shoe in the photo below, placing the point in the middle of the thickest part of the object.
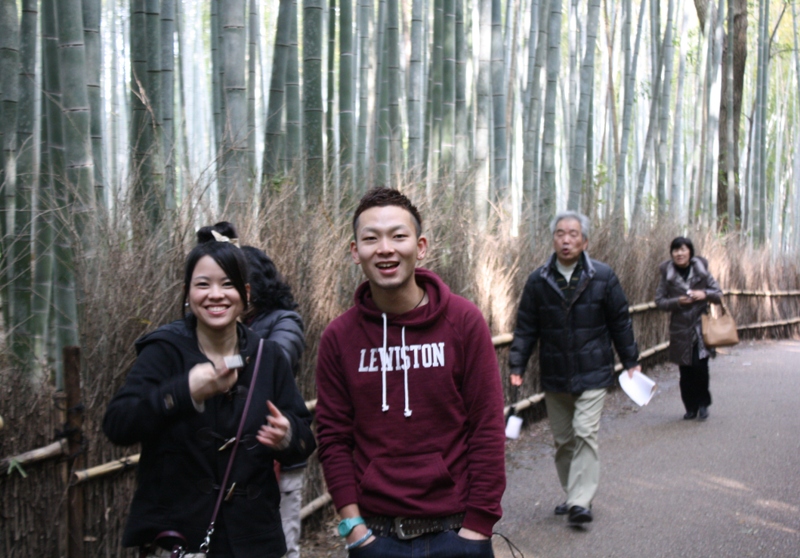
(579, 515)
(703, 413)
(562, 509)
(690, 415)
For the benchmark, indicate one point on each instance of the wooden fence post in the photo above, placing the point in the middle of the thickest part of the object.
(77, 459)
(62, 522)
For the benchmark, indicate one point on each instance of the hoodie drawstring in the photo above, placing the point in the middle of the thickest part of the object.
(385, 363)
(407, 411)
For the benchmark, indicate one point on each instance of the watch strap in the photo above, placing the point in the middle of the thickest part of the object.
(347, 525)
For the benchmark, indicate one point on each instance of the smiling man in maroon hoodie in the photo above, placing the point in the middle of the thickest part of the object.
(410, 406)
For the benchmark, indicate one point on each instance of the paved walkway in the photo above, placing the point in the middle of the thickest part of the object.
(727, 487)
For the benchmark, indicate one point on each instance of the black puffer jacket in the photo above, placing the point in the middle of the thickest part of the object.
(181, 465)
(576, 338)
(285, 327)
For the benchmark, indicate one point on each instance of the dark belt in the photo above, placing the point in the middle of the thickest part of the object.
(405, 528)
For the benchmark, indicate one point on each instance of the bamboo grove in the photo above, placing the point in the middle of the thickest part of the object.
(130, 113)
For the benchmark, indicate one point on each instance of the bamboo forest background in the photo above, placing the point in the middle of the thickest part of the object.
(128, 123)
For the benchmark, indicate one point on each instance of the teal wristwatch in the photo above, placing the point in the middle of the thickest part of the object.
(347, 525)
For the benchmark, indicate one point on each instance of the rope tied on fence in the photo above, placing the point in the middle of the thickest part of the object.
(71, 433)
(13, 465)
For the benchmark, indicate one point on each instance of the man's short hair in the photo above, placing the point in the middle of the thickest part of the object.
(384, 197)
(586, 225)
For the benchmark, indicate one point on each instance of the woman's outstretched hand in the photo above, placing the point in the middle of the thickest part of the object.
(277, 433)
(205, 381)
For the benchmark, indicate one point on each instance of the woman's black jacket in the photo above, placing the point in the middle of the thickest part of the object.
(181, 465)
(576, 337)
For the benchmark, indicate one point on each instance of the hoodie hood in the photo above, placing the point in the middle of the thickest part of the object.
(182, 334)
(422, 317)
(438, 297)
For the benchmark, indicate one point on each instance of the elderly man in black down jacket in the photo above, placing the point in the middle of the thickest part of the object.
(576, 308)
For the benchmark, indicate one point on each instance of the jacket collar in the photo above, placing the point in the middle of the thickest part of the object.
(698, 270)
(586, 274)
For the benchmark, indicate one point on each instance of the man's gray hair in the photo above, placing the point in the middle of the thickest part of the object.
(586, 225)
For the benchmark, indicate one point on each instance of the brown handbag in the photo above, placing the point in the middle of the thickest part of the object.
(719, 330)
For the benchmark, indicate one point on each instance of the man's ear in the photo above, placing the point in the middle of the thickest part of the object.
(354, 252)
(422, 247)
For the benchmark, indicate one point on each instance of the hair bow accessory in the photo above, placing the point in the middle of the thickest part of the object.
(222, 238)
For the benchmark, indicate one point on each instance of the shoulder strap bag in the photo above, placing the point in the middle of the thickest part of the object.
(719, 330)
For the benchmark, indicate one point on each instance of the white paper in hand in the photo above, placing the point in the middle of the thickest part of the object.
(640, 388)
(513, 427)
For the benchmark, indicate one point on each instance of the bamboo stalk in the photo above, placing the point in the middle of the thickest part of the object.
(314, 505)
(502, 339)
(765, 325)
(653, 350)
(104, 469)
(642, 307)
(505, 338)
(524, 403)
(762, 293)
(56, 449)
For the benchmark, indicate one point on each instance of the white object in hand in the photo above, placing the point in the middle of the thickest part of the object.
(234, 361)
(513, 427)
(640, 388)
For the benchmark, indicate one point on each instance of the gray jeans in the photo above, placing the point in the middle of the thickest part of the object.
(291, 486)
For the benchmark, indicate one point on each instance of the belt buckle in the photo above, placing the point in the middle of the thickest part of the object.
(401, 534)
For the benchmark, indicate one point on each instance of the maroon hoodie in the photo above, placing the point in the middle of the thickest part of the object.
(410, 410)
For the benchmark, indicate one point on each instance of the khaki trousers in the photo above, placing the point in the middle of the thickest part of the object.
(575, 421)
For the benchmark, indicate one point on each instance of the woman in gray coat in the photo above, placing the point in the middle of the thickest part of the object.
(685, 289)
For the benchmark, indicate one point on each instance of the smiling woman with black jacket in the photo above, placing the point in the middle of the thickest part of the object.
(685, 289)
(183, 404)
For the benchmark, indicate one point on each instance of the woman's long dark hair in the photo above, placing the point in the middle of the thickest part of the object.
(268, 290)
(227, 255)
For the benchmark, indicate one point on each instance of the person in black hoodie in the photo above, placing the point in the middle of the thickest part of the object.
(575, 308)
(183, 404)
(272, 316)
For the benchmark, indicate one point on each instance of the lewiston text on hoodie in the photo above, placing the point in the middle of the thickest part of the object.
(410, 410)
